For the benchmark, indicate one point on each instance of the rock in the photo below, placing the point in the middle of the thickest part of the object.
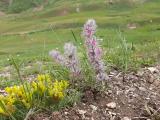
(82, 112)
(142, 89)
(111, 105)
(126, 118)
(112, 113)
(66, 113)
(153, 70)
(132, 26)
(151, 80)
(140, 72)
(156, 83)
(94, 108)
(57, 116)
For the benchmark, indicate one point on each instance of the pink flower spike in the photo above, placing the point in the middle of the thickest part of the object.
(89, 28)
(94, 50)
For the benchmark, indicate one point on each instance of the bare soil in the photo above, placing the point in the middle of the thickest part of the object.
(2, 13)
(135, 96)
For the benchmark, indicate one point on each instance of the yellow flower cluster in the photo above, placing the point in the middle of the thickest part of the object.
(14, 94)
(43, 86)
(56, 91)
(8, 102)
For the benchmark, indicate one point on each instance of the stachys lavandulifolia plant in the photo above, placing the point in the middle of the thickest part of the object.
(94, 50)
(69, 59)
(70, 53)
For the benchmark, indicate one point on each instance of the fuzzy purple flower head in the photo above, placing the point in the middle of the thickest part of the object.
(94, 50)
(69, 59)
(70, 52)
(89, 28)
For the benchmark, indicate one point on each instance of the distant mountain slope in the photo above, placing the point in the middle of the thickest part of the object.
(17, 6)
(73, 13)
(4, 4)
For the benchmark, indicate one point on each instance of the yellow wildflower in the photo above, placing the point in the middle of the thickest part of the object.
(9, 108)
(34, 85)
(57, 90)
(26, 103)
(42, 87)
(8, 90)
(46, 78)
(44, 84)
(2, 111)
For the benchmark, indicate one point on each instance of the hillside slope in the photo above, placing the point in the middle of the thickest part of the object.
(73, 13)
(27, 32)
(17, 6)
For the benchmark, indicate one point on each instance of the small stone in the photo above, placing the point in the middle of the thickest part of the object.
(94, 108)
(153, 70)
(111, 105)
(66, 113)
(142, 89)
(109, 91)
(151, 80)
(82, 112)
(112, 113)
(156, 83)
(56, 115)
(140, 72)
(126, 118)
(147, 98)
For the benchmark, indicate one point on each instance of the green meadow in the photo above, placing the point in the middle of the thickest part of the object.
(31, 34)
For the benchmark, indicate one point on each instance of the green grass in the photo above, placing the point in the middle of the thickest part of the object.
(29, 36)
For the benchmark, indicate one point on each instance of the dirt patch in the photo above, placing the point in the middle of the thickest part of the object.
(63, 12)
(6, 72)
(132, 26)
(2, 13)
(39, 8)
(135, 96)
